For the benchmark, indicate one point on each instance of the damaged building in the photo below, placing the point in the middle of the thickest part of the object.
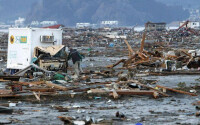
(150, 26)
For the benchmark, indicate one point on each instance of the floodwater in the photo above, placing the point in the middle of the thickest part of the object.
(177, 109)
(146, 110)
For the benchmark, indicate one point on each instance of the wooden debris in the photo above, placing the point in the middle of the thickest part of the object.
(135, 92)
(129, 48)
(187, 54)
(197, 114)
(66, 120)
(142, 42)
(59, 87)
(138, 83)
(37, 96)
(175, 90)
(129, 60)
(115, 95)
(98, 91)
(30, 83)
(2, 80)
(41, 89)
(117, 63)
(4, 91)
(155, 94)
(61, 108)
(10, 78)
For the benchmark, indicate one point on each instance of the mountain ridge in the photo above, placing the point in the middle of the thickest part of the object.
(127, 12)
(70, 12)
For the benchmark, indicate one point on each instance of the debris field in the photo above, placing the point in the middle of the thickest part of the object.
(129, 77)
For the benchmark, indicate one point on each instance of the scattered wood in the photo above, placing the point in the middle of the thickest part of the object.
(129, 60)
(129, 48)
(146, 86)
(41, 89)
(142, 42)
(59, 87)
(187, 54)
(175, 90)
(10, 78)
(30, 83)
(117, 63)
(100, 83)
(61, 108)
(66, 120)
(98, 91)
(9, 96)
(2, 80)
(115, 95)
(135, 92)
(155, 95)
(4, 91)
(37, 96)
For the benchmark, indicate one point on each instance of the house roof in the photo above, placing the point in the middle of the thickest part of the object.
(52, 50)
(54, 26)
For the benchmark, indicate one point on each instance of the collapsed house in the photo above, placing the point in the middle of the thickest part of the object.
(53, 58)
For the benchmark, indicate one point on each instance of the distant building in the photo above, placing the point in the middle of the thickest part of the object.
(20, 22)
(48, 23)
(109, 23)
(82, 25)
(85, 25)
(191, 24)
(35, 23)
(149, 26)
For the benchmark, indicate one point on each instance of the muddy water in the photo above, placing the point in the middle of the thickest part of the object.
(177, 109)
(146, 110)
(173, 80)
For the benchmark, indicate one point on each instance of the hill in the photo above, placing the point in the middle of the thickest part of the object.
(70, 12)
(128, 12)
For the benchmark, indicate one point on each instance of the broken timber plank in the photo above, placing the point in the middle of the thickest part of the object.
(141, 61)
(31, 83)
(99, 91)
(136, 92)
(41, 89)
(117, 63)
(9, 95)
(37, 96)
(128, 61)
(11, 78)
(115, 95)
(175, 90)
(129, 48)
(146, 86)
(142, 42)
(187, 54)
(59, 87)
(2, 80)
